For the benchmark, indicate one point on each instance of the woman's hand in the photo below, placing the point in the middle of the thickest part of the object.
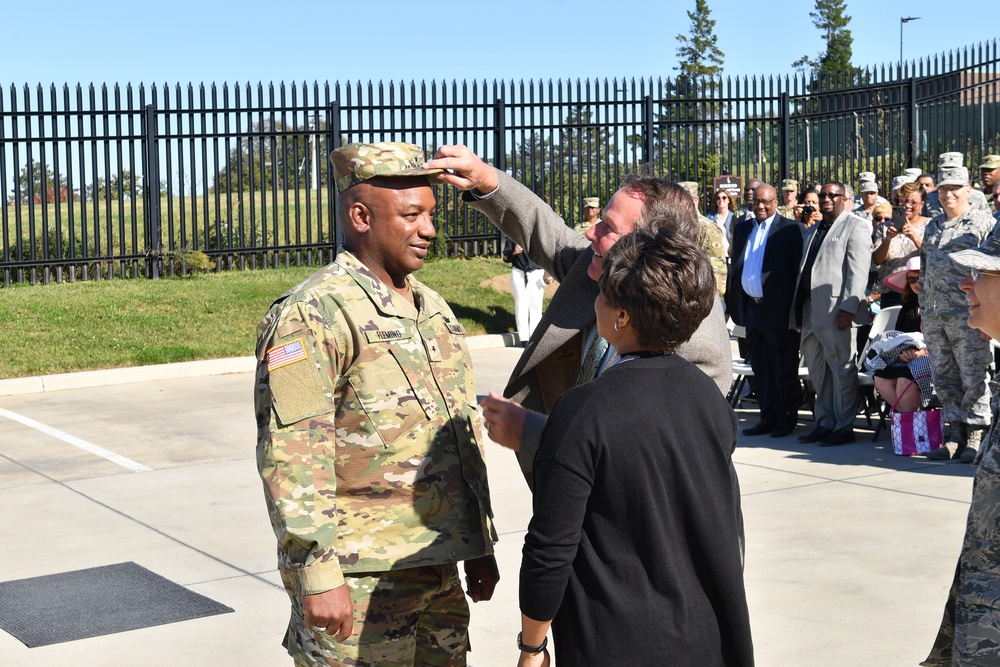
(540, 659)
(911, 354)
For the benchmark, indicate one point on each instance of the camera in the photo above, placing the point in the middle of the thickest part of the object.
(808, 209)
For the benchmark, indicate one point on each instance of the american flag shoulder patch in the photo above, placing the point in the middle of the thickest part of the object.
(286, 353)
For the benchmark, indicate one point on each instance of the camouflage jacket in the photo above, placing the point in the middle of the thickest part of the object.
(939, 276)
(712, 243)
(368, 435)
(976, 634)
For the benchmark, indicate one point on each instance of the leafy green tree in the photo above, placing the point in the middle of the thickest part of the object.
(274, 156)
(36, 185)
(830, 18)
(698, 53)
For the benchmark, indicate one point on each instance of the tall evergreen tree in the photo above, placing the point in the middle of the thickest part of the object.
(831, 20)
(698, 53)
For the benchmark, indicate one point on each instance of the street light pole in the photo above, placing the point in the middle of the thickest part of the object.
(903, 20)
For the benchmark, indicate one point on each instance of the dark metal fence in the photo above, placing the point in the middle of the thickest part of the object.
(127, 181)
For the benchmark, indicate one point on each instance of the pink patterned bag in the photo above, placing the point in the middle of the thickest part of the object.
(916, 432)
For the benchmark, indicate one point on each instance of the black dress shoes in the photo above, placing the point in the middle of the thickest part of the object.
(839, 437)
(816, 434)
(781, 430)
(760, 429)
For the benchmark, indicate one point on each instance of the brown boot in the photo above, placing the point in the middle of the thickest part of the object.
(954, 444)
(973, 442)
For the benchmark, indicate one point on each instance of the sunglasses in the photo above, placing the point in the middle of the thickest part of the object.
(830, 195)
(912, 280)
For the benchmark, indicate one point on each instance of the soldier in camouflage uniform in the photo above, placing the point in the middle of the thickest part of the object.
(789, 198)
(959, 357)
(970, 629)
(591, 214)
(710, 239)
(369, 443)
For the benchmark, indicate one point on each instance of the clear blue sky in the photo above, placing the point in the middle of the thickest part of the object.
(328, 40)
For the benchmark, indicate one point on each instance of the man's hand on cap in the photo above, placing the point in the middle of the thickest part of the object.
(465, 170)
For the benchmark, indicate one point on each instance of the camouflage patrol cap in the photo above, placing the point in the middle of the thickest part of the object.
(869, 186)
(990, 162)
(953, 176)
(900, 181)
(358, 162)
(591, 202)
(913, 172)
(690, 186)
(789, 185)
(984, 258)
(866, 176)
(951, 159)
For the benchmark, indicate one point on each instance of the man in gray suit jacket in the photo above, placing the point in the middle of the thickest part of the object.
(829, 296)
(558, 348)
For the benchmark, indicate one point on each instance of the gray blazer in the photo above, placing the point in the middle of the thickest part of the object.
(839, 274)
(551, 362)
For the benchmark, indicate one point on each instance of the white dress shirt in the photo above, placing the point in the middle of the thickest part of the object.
(753, 258)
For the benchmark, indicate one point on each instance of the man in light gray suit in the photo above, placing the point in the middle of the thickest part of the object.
(829, 296)
(563, 349)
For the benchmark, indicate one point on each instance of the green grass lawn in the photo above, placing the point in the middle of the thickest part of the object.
(61, 328)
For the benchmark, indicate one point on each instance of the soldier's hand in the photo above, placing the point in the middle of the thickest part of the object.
(330, 613)
(843, 320)
(504, 420)
(481, 577)
(465, 170)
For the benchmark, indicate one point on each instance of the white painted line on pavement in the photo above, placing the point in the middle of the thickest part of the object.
(76, 442)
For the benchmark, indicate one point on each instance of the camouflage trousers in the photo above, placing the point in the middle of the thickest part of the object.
(969, 635)
(959, 363)
(402, 618)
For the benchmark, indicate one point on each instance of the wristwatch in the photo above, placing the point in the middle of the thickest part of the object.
(532, 649)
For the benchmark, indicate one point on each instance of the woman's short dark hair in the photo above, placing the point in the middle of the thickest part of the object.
(908, 189)
(664, 282)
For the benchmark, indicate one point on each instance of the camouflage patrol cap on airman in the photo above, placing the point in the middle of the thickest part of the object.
(591, 202)
(990, 162)
(358, 162)
(984, 258)
(900, 181)
(866, 176)
(789, 185)
(950, 159)
(913, 172)
(690, 186)
(953, 176)
(869, 186)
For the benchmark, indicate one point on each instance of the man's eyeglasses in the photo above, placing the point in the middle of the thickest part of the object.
(765, 202)
(977, 274)
(830, 195)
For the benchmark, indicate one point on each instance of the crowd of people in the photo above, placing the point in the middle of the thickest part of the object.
(370, 442)
(854, 258)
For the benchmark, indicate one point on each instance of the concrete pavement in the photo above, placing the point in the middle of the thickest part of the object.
(850, 550)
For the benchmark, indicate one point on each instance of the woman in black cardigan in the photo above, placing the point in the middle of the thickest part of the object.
(634, 552)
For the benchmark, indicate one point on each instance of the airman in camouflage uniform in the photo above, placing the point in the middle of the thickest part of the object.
(959, 357)
(978, 201)
(970, 629)
(710, 239)
(369, 440)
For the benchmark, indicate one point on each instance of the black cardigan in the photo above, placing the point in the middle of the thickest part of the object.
(635, 546)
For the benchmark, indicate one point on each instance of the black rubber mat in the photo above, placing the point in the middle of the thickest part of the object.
(98, 601)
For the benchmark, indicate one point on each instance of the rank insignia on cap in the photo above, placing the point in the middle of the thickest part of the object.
(287, 353)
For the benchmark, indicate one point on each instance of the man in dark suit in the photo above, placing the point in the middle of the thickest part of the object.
(829, 296)
(561, 352)
(766, 255)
